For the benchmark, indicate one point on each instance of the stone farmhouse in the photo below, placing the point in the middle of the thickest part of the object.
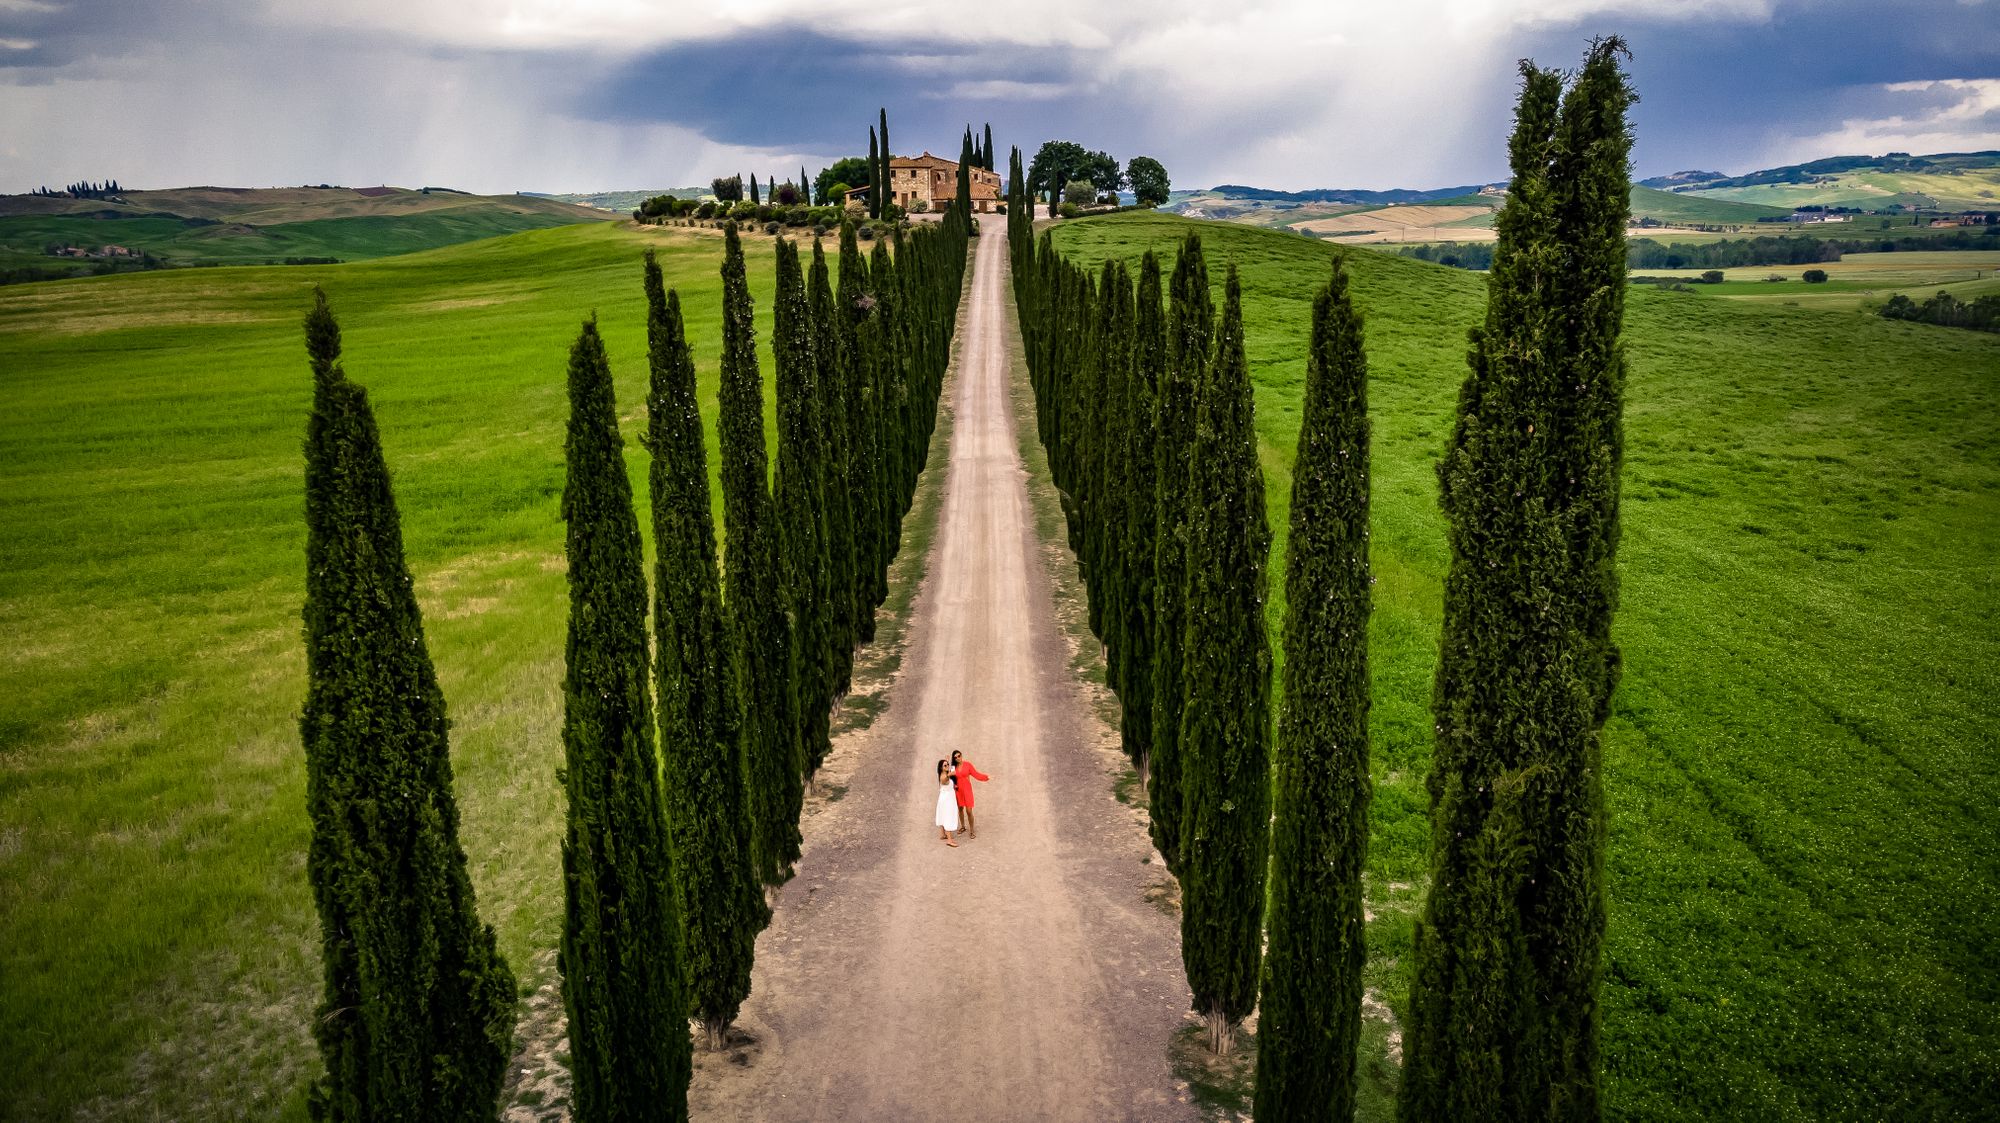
(932, 181)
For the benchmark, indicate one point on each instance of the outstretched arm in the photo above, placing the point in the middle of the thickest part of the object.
(977, 774)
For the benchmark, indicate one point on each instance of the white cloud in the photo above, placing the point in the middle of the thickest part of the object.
(1945, 115)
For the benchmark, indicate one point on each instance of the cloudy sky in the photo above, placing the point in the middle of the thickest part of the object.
(575, 95)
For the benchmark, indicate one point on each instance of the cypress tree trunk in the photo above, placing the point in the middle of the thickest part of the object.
(833, 350)
(800, 495)
(1135, 680)
(1309, 1020)
(1224, 734)
(720, 908)
(620, 955)
(760, 626)
(1188, 329)
(1504, 1019)
(417, 1017)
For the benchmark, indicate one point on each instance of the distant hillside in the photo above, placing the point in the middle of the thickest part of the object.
(1442, 214)
(44, 237)
(1672, 208)
(1950, 181)
(623, 202)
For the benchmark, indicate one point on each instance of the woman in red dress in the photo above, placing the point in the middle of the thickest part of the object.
(963, 771)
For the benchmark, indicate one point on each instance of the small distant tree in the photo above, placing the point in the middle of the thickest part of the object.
(1711, 277)
(1055, 164)
(1079, 193)
(832, 183)
(1148, 180)
(1103, 172)
(787, 195)
(727, 189)
(1815, 276)
(753, 188)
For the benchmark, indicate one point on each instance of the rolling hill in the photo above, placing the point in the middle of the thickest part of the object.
(238, 226)
(1951, 181)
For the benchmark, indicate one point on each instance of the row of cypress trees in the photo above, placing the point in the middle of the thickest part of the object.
(671, 828)
(1146, 418)
(1148, 422)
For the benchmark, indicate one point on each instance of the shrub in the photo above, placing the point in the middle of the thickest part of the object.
(743, 210)
(866, 233)
(1815, 276)
(1000, 208)
(920, 207)
(771, 227)
(1079, 191)
(1069, 210)
(706, 210)
(1712, 277)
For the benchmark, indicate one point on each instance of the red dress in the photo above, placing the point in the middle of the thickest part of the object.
(966, 774)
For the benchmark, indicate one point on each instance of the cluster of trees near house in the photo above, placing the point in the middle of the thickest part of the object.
(687, 753)
(1946, 310)
(1146, 412)
(1066, 172)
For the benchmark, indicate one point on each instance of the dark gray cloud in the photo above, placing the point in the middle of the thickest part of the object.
(1275, 92)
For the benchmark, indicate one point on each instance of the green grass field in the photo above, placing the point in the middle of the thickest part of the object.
(1970, 188)
(1670, 207)
(158, 949)
(1802, 875)
(1804, 890)
(183, 242)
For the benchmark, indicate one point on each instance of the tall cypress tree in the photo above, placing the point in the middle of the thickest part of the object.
(1224, 734)
(1504, 1019)
(1113, 486)
(720, 908)
(876, 185)
(1189, 325)
(417, 1018)
(986, 153)
(833, 353)
(855, 333)
(887, 178)
(961, 200)
(753, 188)
(1136, 543)
(620, 957)
(1309, 1016)
(805, 187)
(800, 495)
(773, 762)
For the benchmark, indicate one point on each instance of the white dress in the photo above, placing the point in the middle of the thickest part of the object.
(947, 812)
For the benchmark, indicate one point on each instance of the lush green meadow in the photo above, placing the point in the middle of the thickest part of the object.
(194, 242)
(158, 950)
(1804, 890)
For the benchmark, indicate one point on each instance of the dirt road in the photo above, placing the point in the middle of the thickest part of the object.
(1022, 975)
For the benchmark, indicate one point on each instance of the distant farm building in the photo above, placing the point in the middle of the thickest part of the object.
(933, 182)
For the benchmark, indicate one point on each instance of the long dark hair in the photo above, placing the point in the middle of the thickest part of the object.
(943, 767)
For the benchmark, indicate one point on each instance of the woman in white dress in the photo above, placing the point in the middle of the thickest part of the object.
(947, 805)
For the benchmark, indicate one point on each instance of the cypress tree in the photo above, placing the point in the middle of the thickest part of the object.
(753, 188)
(1309, 1017)
(961, 200)
(620, 954)
(1136, 547)
(800, 495)
(833, 353)
(417, 1017)
(1504, 1018)
(857, 339)
(875, 185)
(1224, 735)
(1189, 325)
(720, 908)
(986, 153)
(890, 355)
(760, 639)
(887, 178)
(1108, 520)
(806, 188)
